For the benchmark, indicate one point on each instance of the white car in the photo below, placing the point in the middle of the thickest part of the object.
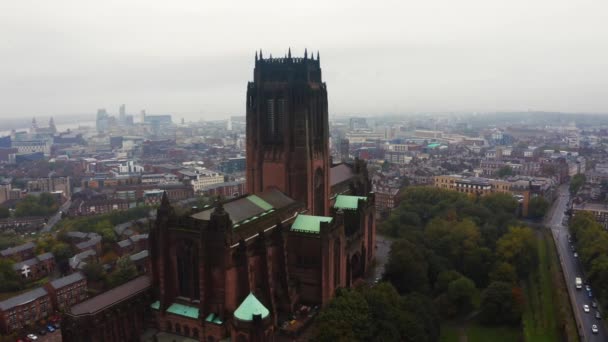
(586, 308)
(576, 255)
(32, 337)
(594, 329)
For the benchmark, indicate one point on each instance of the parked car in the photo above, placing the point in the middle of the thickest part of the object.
(586, 308)
(32, 337)
(42, 332)
(594, 329)
(597, 315)
(575, 255)
(594, 304)
(590, 294)
(50, 328)
(588, 288)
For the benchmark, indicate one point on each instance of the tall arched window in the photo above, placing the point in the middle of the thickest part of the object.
(337, 263)
(319, 199)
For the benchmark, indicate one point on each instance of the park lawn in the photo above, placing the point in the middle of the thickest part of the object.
(539, 316)
(480, 333)
(449, 333)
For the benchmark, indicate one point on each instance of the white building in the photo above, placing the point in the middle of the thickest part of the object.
(206, 178)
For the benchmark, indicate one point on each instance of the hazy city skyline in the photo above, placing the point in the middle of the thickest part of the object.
(190, 59)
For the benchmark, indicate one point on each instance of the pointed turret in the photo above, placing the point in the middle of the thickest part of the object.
(261, 55)
(289, 53)
(305, 53)
(256, 56)
(318, 58)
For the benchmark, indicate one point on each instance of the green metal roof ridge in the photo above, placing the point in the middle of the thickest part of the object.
(259, 202)
(348, 202)
(249, 307)
(309, 223)
(183, 310)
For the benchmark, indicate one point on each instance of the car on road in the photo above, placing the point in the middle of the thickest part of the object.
(32, 337)
(594, 329)
(598, 315)
(586, 308)
(575, 255)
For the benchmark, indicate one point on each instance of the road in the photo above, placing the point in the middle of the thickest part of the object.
(55, 218)
(572, 269)
(383, 247)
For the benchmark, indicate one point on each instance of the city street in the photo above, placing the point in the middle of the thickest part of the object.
(572, 269)
(55, 218)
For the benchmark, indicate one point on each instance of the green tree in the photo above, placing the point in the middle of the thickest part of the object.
(518, 247)
(503, 272)
(461, 292)
(346, 318)
(504, 172)
(4, 212)
(407, 267)
(94, 272)
(537, 207)
(9, 279)
(62, 251)
(577, 182)
(125, 271)
(499, 305)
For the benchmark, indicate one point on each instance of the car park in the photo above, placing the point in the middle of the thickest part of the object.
(586, 308)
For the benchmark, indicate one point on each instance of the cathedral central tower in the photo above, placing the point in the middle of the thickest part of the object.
(287, 130)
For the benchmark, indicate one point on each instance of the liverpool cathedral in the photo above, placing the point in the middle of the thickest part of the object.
(234, 269)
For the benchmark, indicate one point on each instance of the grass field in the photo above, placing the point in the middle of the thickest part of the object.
(475, 332)
(539, 322)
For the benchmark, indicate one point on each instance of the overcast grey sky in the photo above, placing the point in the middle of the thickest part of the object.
(194, 58)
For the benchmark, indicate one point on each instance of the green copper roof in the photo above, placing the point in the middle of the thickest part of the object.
(213, 318)
(348, 202)
(183, 310)
(155, 305)
(309, 223)
(259, 202)
(249, 307)
(433, 145)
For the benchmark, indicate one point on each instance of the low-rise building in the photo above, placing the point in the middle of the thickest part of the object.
(19, 253)
(24, 310)
(67, 291)
(599, 211)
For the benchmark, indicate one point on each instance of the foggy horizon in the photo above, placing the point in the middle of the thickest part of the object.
(194, 61)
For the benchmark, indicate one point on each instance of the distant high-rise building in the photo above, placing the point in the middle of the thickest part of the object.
(52, 127)
(122, 114)
(103, 120)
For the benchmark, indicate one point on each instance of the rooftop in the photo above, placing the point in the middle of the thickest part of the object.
(249, 308)
(111, 297)
(309, 224)
(348, 202)
(183, 310)
(17, 249)
(67, 280)
(340, 173)
(23, 298)
(247, 207)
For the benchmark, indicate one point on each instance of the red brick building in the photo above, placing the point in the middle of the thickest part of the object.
(24, 310)
(67, 291)
(231, 269)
